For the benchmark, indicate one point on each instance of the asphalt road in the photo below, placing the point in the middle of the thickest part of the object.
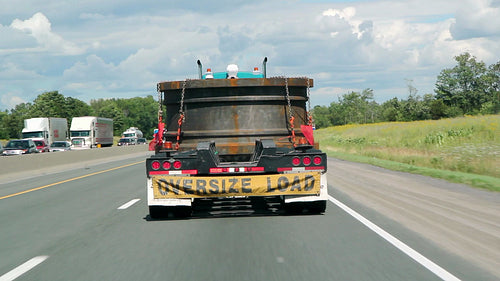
(91, 223)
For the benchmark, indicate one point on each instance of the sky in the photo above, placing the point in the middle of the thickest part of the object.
(91, 49)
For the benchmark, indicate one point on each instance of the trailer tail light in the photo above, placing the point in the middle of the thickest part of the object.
(166, 165)
(317, 160)
(155, 165)
(306, 161)
(177, 164)
(296, 161)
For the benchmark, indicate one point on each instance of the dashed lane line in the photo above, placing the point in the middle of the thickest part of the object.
(23, 268)
(128, 204)
(434, 268)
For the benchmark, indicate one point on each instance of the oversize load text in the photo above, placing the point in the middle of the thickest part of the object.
(260, 185)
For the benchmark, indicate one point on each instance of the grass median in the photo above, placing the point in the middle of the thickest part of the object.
(462, 150)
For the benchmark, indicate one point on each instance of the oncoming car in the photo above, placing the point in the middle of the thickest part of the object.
(18, 147)
(141, 141)
(60, 146)
(126, 141)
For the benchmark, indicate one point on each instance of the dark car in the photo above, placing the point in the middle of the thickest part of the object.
(126, 141)
(60, 146)
(41, 146)
(141, 141)
(18, 147)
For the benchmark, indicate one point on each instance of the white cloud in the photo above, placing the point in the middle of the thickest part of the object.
(478, 18)
(39, 27)
(10, 100)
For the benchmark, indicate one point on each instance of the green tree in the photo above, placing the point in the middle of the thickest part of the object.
(321, 116)
(464, 86)
(49, 104)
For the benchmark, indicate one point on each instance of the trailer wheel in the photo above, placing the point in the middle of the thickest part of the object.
(293, 208)
(156, 212)
(316, 207)
(182, 212)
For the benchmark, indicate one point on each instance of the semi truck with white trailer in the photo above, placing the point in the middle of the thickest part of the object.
(235, 134)
(91, 132)
(46, 129)
(132, 133)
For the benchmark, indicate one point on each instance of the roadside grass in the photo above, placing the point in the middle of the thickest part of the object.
(462, 150)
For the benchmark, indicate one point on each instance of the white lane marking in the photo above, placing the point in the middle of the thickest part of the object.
(128, 204)
(436, 269)
(23, 268)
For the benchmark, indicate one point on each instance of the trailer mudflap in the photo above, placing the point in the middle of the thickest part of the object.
(167, 187)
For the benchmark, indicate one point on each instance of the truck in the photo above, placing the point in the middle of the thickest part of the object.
(45, 130)
(231, 135)
(91, 132)
(132, 133)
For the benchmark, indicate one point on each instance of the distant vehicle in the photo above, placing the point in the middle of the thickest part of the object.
(18, 147)
(91, 131)
(47, 129)
(41, 145)
(141, 141)
(132, 133)
(60, 146)
(126, 141)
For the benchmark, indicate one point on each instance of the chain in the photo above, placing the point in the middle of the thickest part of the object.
(160, 112)
(309, 115)
(292, 119)
(181, 115)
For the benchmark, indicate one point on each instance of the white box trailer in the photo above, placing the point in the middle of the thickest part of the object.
(132, 133)
(91, 131)
(48, 129)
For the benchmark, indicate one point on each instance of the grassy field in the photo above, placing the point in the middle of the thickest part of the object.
(464, 150)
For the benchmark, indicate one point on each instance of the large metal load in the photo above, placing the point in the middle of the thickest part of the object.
(236, 134)
(47, 129)
(91, 131)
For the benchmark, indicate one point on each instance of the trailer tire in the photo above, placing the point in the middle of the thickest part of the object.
(316, 207)
(182, 212)
(293, 208)
(156, 212)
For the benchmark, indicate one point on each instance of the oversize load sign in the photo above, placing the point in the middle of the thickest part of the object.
(261, 185)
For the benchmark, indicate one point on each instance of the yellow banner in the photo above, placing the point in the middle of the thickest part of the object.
(223, 186)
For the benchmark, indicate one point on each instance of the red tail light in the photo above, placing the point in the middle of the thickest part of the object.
(296, 161)
(317, 160)
(155, 165)
(177, 164)
(166, 165)
(306, 160)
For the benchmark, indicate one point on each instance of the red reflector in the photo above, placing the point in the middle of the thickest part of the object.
(190, 172)
(155, 165)
(296, 161)
(317, 160)
(307, 161)
(315, 168)
(177, 164)
(166, 165)
(284, 169)
(215, 170)
(257, 169)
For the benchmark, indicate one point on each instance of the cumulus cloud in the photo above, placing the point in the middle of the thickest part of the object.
(39, 27)
(10, 100)
(478, 18)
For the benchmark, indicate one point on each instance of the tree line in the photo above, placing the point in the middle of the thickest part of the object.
(469, 88)
(141, 112)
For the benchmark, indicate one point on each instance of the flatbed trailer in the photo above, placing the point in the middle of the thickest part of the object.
(236, 138)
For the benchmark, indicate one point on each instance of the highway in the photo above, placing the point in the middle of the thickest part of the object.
(91, 222)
